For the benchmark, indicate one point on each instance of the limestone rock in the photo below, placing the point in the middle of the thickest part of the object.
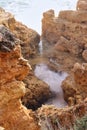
(53, 118)
(13, 69)
(80, 74)
(29, 38)
(37, 92)
(73, 16)
(82, 5)
(69, 89)
(67, 32)
(75, 85)
(84, 55)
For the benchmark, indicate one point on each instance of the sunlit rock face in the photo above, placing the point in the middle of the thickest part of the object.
(13, 69)
(75, 85)
(82, 5)
(68, 31)
(80, 77)
(29, 38)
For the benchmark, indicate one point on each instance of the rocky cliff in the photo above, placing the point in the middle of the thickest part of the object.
(28, 39)
(66, 34)
(13, 69)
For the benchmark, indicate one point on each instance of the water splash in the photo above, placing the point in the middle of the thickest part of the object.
(53, 79)
(40, 48)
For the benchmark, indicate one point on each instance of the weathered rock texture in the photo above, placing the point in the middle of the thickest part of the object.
(75, 85)
(37, 92)
(13, 69)
(29, 38)
(52, 118)
(67, 33)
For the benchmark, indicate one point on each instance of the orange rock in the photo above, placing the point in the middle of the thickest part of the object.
(13, 69)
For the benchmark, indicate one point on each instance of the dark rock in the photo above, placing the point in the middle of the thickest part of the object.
(7, 39)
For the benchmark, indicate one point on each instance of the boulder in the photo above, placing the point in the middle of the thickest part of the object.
(75, 85)
(37, 92)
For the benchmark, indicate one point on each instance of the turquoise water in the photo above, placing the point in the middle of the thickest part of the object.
(30, 13)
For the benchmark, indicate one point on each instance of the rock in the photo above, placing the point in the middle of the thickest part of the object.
(65, 31)
(69, 89)
(29, 38)
(7, 40)
(62, 41)
(80, 73)
(82, 5)
(73, 16)
(66, 34)
(13, 69)
(84, 55)
(53, 118)
(75, 85)
(49, 14)
(66, 45)
(37, 92)
(48, 19)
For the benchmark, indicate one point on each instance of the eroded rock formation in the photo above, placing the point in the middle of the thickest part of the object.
(52, 118)
(29, 38)
(13, 69)
(75, 85)
(66, 34)
(37, 92)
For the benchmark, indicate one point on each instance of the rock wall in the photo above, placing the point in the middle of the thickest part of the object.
(28, 39)
(13, 69)
(68, 31)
